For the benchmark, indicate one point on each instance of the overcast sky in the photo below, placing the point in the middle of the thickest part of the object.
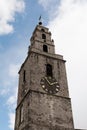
(67, 20)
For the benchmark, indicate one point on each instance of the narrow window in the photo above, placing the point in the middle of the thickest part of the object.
(49, 70)
(43, 36)
(24, 76)
(21, 114)
(45, 48)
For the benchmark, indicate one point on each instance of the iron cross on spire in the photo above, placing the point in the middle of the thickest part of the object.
(40, 20)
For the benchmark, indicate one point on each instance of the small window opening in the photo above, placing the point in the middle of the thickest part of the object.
(49, 70)
(45, 48)
(24, 76)
(43, 36)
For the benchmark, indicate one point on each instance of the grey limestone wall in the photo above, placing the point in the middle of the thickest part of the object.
(45, 112)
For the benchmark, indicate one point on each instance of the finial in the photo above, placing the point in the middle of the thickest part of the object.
(40, 20)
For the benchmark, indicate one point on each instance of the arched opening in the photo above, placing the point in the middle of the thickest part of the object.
(43, 36)
(45, 48)
(49, 70)
(42, 30)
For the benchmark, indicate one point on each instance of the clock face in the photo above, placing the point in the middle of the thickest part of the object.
(50, 85)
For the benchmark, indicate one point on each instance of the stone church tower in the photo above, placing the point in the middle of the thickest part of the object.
(43, 98)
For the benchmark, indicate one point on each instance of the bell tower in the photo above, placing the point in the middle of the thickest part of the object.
(43, 98)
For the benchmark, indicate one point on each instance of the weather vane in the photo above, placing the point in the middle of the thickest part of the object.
(40, 20)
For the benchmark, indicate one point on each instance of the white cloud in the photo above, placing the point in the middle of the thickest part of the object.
(11, 120)
(11, 78)
(45, 3)
(11, 103)
(50, 6)
(13, 70)
(7, 14)
(4, 91)
(69, 30)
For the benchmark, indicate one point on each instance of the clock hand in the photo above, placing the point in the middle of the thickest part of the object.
(50, 82)
(54, 83)
(47, 80)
